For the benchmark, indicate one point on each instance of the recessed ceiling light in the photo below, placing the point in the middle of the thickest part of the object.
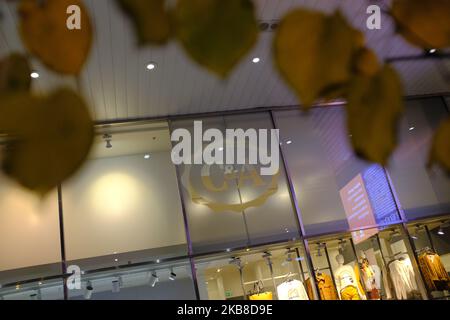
(157, 260)
(147, 156)
(411, 128)
(289, 142)
(441, 231)
(256, 60)
(151, 66)
(34, 75)
(116, 259)
(221, 149)
(218, 270)
(432, 51)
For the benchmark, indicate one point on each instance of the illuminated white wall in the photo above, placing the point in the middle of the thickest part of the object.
(122, 204)
(29, 227)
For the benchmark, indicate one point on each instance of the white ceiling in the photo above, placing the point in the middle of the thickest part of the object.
(117, 85)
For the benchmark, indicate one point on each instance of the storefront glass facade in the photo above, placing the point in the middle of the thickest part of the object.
(136, 226)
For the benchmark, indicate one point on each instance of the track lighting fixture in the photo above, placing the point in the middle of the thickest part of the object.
(154, 279)
(107, 138)
(172, 275)
(115, 286)
(35, 295)
(89, 290)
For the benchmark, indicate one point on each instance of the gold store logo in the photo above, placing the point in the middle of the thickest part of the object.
(228, 187)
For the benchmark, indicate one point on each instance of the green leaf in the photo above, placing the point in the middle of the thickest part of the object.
(49, 138)
(44, 32)
(314, 52)
(150, 19)
(374, 107)
(424, 23)
(14, 73)
(216, 33)
(440, 149)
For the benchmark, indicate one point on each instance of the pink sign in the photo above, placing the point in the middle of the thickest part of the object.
(358, 209)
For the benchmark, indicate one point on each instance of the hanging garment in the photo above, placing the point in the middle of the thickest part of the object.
(387, 284)
(403, 278)
(435, 276)
(325, 284)
(292, 290)
(258, 292)
(262, 296)
(371, 277)
(346, 276)
(350, 293)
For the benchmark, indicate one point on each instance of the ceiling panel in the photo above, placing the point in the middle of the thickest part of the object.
(117, 85)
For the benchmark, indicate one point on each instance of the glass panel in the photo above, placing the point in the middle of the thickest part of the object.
(421, 192)
(29, 231)
(171, 280)
(335, 190)
(234, 205)
(432, 241)
(39, 290)
(278, 272)
(124, 204)
(379, 267)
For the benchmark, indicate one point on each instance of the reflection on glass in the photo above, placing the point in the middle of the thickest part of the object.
(422, 192)
(124, 202)
(323, 168)
(235, 205)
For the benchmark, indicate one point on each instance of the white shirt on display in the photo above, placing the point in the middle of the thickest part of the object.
(292, 290)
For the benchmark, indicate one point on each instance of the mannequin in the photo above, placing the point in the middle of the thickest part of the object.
(371, 276)
(346, 281)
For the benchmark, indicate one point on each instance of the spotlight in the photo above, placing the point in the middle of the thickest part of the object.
(115, 286)
(151, 66)
(107, 138)
(441, 231)
(154, 279)
(35, 296)
(289, 142)
(172, 275)
(256, 60)
(147, 156)
(34, 75)
(89, 290)
(432, 51)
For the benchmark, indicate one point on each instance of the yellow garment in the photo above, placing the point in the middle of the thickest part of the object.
(261, 296)
(358, 280)
(325, 284)
(434, 273)
(350, 293)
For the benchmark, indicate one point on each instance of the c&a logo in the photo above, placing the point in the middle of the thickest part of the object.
(229, 174)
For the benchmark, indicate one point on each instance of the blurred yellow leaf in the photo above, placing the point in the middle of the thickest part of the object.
(440, 149)
(373, 109)
(366, 62)
(44, 31)
(150, 19)
(50, 138)
(216, 33)
(314, 53)
(14, 73)
(424, 23)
